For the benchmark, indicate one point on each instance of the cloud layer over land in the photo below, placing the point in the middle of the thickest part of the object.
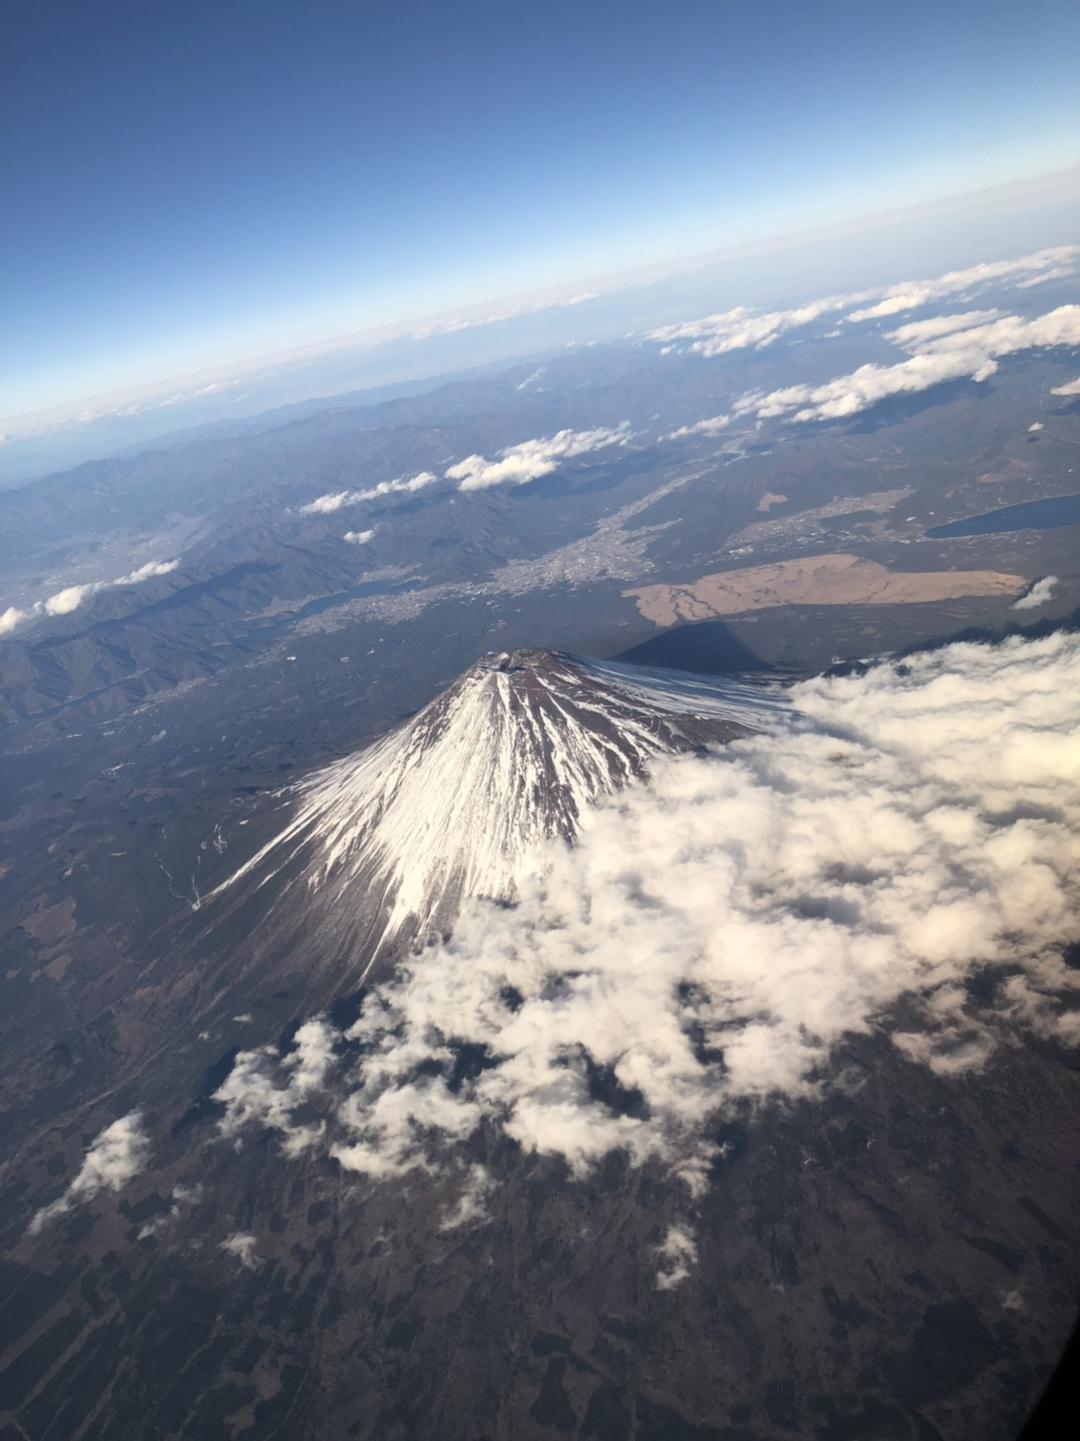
(720, 928)
(743, 327)
(717, 931)
(962, 346)
(1043, 265)
(962, 353)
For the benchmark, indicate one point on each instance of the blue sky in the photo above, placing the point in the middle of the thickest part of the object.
(191, 182)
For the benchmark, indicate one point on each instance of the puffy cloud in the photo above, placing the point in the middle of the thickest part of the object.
(359, 537)
(147, 572)
(260, 1090)
(676, 1254)
(242, 1245)
(328, 504)
(971, 353)
(713, 426)
(116, 1154)
(743, 327)
(70, 599)
(1071, 387)
(63, 602)
(520, 464)
(720, 928)
(393, 1120)
(13, 617)
(1039, 594)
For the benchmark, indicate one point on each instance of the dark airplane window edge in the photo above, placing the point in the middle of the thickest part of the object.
(1055, 1413)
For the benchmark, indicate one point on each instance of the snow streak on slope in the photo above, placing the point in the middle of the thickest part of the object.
(453, 803)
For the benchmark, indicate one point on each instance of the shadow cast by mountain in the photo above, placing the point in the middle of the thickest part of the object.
(708, 647)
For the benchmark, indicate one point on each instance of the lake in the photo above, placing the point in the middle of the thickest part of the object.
(1031, 515)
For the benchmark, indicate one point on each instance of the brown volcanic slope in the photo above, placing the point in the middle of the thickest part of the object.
(816, 580)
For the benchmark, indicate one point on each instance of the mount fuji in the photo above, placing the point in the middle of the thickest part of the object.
(382, 847)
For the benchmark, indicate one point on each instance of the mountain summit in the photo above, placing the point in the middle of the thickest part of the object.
(452, 803)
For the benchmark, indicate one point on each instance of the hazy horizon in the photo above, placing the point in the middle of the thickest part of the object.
(230, 183)
(882, 248)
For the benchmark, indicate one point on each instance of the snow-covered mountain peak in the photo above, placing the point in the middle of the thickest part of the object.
(453, 803)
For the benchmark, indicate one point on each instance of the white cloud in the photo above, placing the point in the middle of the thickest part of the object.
(328, 504)
(1071, 387)
(259, 1090)
(967, 354)
(520, 464)
(242, 1245)
(1027, 271)
(181, 1196)
(176, 397)
(13, 617)
(359, 537)
(472, 1203)
(1056, 272)
(116, 408)
(116, 1154)
(1038, 595)
(718, 930)
(742, 327)
(511, 311)
(713, 426)
(916, 332)
(676, 1253)
(1011, 333)
(862, 388)
(63, 602)
(68, 599)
